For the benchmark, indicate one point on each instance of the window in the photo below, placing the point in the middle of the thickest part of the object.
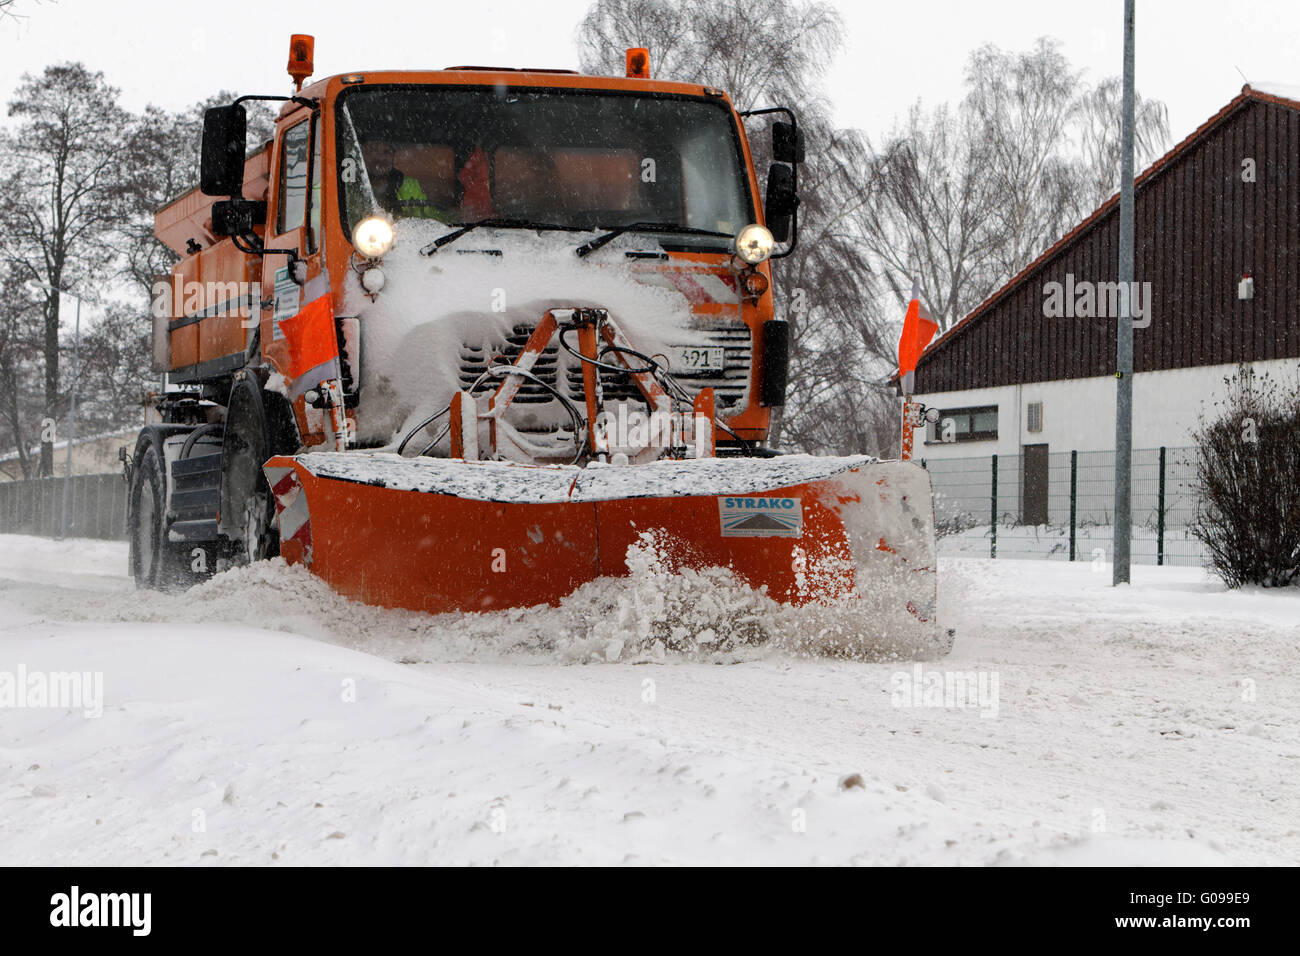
(313, 207)
(965, 424)
(579, 159)
(1034, 417)
(293, 179)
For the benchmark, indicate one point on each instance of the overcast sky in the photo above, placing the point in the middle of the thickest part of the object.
(1188, 51)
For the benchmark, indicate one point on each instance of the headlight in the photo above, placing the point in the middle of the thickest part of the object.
(373, 236)
(373, 279)
(754, 244)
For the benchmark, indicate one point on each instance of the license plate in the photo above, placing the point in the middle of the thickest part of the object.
(700, 360)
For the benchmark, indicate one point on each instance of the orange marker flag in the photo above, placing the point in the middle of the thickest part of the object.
(919, 328)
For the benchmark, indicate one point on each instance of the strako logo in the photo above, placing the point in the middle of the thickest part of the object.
(1097, 300)
(206, 299)
(946, 689)
(64, 690)
(761, 517)
(102, 909)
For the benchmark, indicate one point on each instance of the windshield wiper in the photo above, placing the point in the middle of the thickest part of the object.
(587, 248)
(493, 222)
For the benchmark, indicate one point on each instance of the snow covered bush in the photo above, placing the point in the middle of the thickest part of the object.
(1248, 479)
(955, 522)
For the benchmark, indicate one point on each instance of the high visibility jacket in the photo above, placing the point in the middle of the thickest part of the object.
(411, 199)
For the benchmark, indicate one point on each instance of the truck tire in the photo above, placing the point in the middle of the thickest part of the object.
(255, 431)
(156, 562)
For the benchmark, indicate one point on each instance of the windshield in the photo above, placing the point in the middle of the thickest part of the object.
(577, 159)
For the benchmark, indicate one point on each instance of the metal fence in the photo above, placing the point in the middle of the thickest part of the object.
(96, 506)
(1061, 505)
(984, 506)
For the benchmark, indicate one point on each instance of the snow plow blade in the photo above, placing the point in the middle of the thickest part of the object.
(442, 535)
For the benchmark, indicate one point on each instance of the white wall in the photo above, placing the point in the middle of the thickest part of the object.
(95, 455)
(1080, 414)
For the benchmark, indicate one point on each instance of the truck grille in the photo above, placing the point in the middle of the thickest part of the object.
(729, 387)
(474, 360)
(563, 372)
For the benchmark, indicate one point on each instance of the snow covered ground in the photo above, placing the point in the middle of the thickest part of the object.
(261, 720)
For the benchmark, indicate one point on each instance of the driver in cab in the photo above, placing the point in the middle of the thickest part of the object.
(397, 190)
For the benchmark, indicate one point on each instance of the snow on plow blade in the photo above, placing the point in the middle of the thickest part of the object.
(449, 535)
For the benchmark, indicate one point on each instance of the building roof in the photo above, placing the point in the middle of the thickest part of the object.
(1278, 94)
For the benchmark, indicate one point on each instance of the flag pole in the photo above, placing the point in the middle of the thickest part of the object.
(918, 328)
(910, 417)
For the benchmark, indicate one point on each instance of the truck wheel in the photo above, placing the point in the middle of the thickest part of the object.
(247, 506)
(257, 540)
(156, 562)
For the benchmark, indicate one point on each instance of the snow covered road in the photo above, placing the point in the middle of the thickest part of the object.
(260, 719)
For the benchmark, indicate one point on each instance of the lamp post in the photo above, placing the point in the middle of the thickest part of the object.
(1122, 544)
(72, 404)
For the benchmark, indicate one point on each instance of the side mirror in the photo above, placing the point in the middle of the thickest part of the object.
(776, 362)
(221, 162)
(787, 143)
(237, 217)
(781, 201)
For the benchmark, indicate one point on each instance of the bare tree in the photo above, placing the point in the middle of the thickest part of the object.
(1052, 143)
(1098, 123)
(60, 181)
(966, 198)
(20, 335)
(841, 343)
(8, 10)
(82, 180)
(754, 52)
(162, 163)
(1021, 106)
(930, 217)
(115, 368)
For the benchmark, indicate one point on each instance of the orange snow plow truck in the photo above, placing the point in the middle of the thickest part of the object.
(457, 340)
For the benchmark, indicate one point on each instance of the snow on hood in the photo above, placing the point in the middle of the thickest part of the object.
(413, 333)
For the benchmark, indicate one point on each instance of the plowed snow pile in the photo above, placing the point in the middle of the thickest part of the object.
(661, 611)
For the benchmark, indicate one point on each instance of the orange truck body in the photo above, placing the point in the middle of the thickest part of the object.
(200, 348)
